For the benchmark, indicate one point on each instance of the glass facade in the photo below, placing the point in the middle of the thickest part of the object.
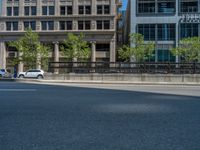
(156, 6)
(189, 6)
(188, 30)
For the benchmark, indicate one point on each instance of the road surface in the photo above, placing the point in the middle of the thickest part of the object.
(99, 117)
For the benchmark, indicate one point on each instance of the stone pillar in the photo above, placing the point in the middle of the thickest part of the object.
(57, 7)
(75, 7)
(113, 7)
(20, 65)
(39, 7)
(2, 55)
(56, 56)
(21, 8)
(177, 40)
(112, 50)
(3, 7)
(38, 62)
(93, 54)
(94, 7)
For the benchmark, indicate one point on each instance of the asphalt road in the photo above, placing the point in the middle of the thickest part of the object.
(100, 117)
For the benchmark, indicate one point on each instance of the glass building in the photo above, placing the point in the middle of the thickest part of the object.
(165, 22)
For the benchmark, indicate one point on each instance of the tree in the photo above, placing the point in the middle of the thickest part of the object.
(74, 47)
(141, 50)
(188, 49)
(31, 50)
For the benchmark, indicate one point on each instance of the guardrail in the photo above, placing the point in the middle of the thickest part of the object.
(125, 67)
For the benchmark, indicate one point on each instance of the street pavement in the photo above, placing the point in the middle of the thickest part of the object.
(99, 117)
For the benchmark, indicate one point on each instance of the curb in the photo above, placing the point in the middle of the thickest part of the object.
(103, 82)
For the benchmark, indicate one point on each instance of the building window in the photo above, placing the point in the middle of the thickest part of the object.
(106, 9)
(65, 25)
(188, 30)
(16, 11)
(99, 25)
(27, 10)
(99, 9)
(8, 26)
(164, 55)
(80, 25)
(103, 9)
(33, 10)
(69, 25)
(103, 47)
(12, 26)
(9, 11)
(145, 6)
(103, 24)
(85, 10)
(50, 25)
(44, 10)
(48, 10)
(66, 10)
(62, 25)
(166, 32)
(156, 6)
(166, 6)
(84, 25)
(148, 31)
(47, 25)
(51, 10)
(87, 25)
(189, 6)
(30, 25)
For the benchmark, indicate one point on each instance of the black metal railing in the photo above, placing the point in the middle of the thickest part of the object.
(125, 67)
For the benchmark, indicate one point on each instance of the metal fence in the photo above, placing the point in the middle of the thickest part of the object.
(125, 67)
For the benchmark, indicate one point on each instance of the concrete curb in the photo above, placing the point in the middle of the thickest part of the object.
(7, 80)
(103, 82)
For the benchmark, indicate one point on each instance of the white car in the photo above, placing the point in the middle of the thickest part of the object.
(33, 73)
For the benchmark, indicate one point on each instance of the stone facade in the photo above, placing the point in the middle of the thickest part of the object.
(53, 19)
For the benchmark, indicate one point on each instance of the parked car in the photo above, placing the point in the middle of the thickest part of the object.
(5, 74)
(2, 72)
(32, 73)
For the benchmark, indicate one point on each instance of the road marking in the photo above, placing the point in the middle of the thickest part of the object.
(18, 90)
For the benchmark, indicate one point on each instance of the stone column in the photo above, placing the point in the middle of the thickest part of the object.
(3, 7)
(57, 7)
(39, 7)
(94, 7)
(38, 62)
(56, 56)
(21, 8)
(2, 55)
(112, 50)
(113, 7)
(93, 54)
(20, 65)
(177, 40)
(75, 7)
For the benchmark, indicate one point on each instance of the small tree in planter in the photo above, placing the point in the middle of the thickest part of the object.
(31, 50)
(75, 48)
(140, 51)
(188, 49)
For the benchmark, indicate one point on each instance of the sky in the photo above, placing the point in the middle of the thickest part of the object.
(124, 4)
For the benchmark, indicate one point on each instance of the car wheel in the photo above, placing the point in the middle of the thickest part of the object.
(40, 77)
(21, 76)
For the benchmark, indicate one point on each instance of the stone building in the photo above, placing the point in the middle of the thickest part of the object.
(53, 19)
